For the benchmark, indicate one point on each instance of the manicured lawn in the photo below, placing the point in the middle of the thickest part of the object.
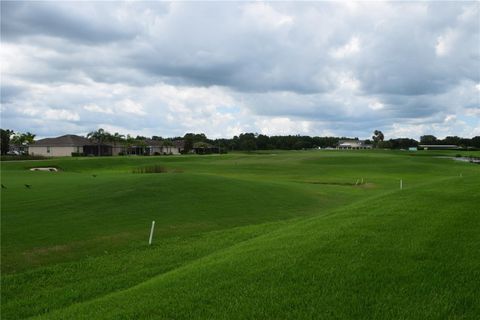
(266, 235)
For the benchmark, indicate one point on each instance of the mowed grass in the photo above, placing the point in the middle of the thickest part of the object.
(268, 235)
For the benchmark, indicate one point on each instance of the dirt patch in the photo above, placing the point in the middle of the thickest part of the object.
(358, 183)
(155, 169)
(331, 183)
(367, 185)
(46, 250)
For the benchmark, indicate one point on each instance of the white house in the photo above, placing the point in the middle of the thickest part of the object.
(353, 144)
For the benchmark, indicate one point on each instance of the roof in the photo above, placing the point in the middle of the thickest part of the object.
(153, 143)
(179, 143)
(68, 140)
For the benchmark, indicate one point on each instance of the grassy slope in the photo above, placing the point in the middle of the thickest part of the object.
(217, 193)
(410, 255)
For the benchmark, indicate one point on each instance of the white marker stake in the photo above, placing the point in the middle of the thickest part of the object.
(401, 184)
(151, 233)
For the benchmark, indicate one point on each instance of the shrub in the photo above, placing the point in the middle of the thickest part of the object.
(21, 157)
(78, 154)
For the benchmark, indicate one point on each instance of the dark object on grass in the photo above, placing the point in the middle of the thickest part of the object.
(28, 186)
(3, 187)
(94, 175)
(151, 169)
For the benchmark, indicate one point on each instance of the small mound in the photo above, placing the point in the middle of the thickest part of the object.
(50, 169)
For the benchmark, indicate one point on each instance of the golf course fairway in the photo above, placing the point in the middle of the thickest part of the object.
(267, 235)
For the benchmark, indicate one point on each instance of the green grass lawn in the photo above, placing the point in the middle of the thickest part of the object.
(266, 235)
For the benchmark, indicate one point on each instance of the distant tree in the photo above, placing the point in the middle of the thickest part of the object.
(454, 140)
(377, 137)
(475, 142)
(191, 138)
(5, 140)
(428, 139)
(247, 141)
(117, 137)
(263, 142)
(29, 137)
(22, 138)
(385, 144)
(403, 143)
(189, 141)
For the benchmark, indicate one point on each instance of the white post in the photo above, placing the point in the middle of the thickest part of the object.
(356, 183)
(362, 180)
(401, 184)
(151, 233)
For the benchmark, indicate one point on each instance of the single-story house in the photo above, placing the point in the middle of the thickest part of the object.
(62, 146)
(353, 144)
(152, 147)
(69, 145)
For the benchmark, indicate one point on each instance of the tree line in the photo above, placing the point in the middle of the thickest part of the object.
(252, 141)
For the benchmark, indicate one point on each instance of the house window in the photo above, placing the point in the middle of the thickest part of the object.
(48, 149)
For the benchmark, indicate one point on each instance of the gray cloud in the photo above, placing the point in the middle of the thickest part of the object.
(222, 68)
(75, 21)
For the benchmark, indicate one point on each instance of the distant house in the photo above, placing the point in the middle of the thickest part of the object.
(439, 147)
(353, 144)
(180, 145)
(62, 146)
(69, 145)
(152, 147)
(205, 148)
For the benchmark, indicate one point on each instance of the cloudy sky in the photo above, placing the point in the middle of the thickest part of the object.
(158, 68)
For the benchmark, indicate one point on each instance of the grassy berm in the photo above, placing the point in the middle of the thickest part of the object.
(270, 235)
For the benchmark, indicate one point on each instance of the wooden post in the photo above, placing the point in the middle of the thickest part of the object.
(151, 233)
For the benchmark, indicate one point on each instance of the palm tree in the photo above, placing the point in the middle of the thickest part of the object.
(99, 136)
(117, 137)
(378, 137)
(29, 137)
